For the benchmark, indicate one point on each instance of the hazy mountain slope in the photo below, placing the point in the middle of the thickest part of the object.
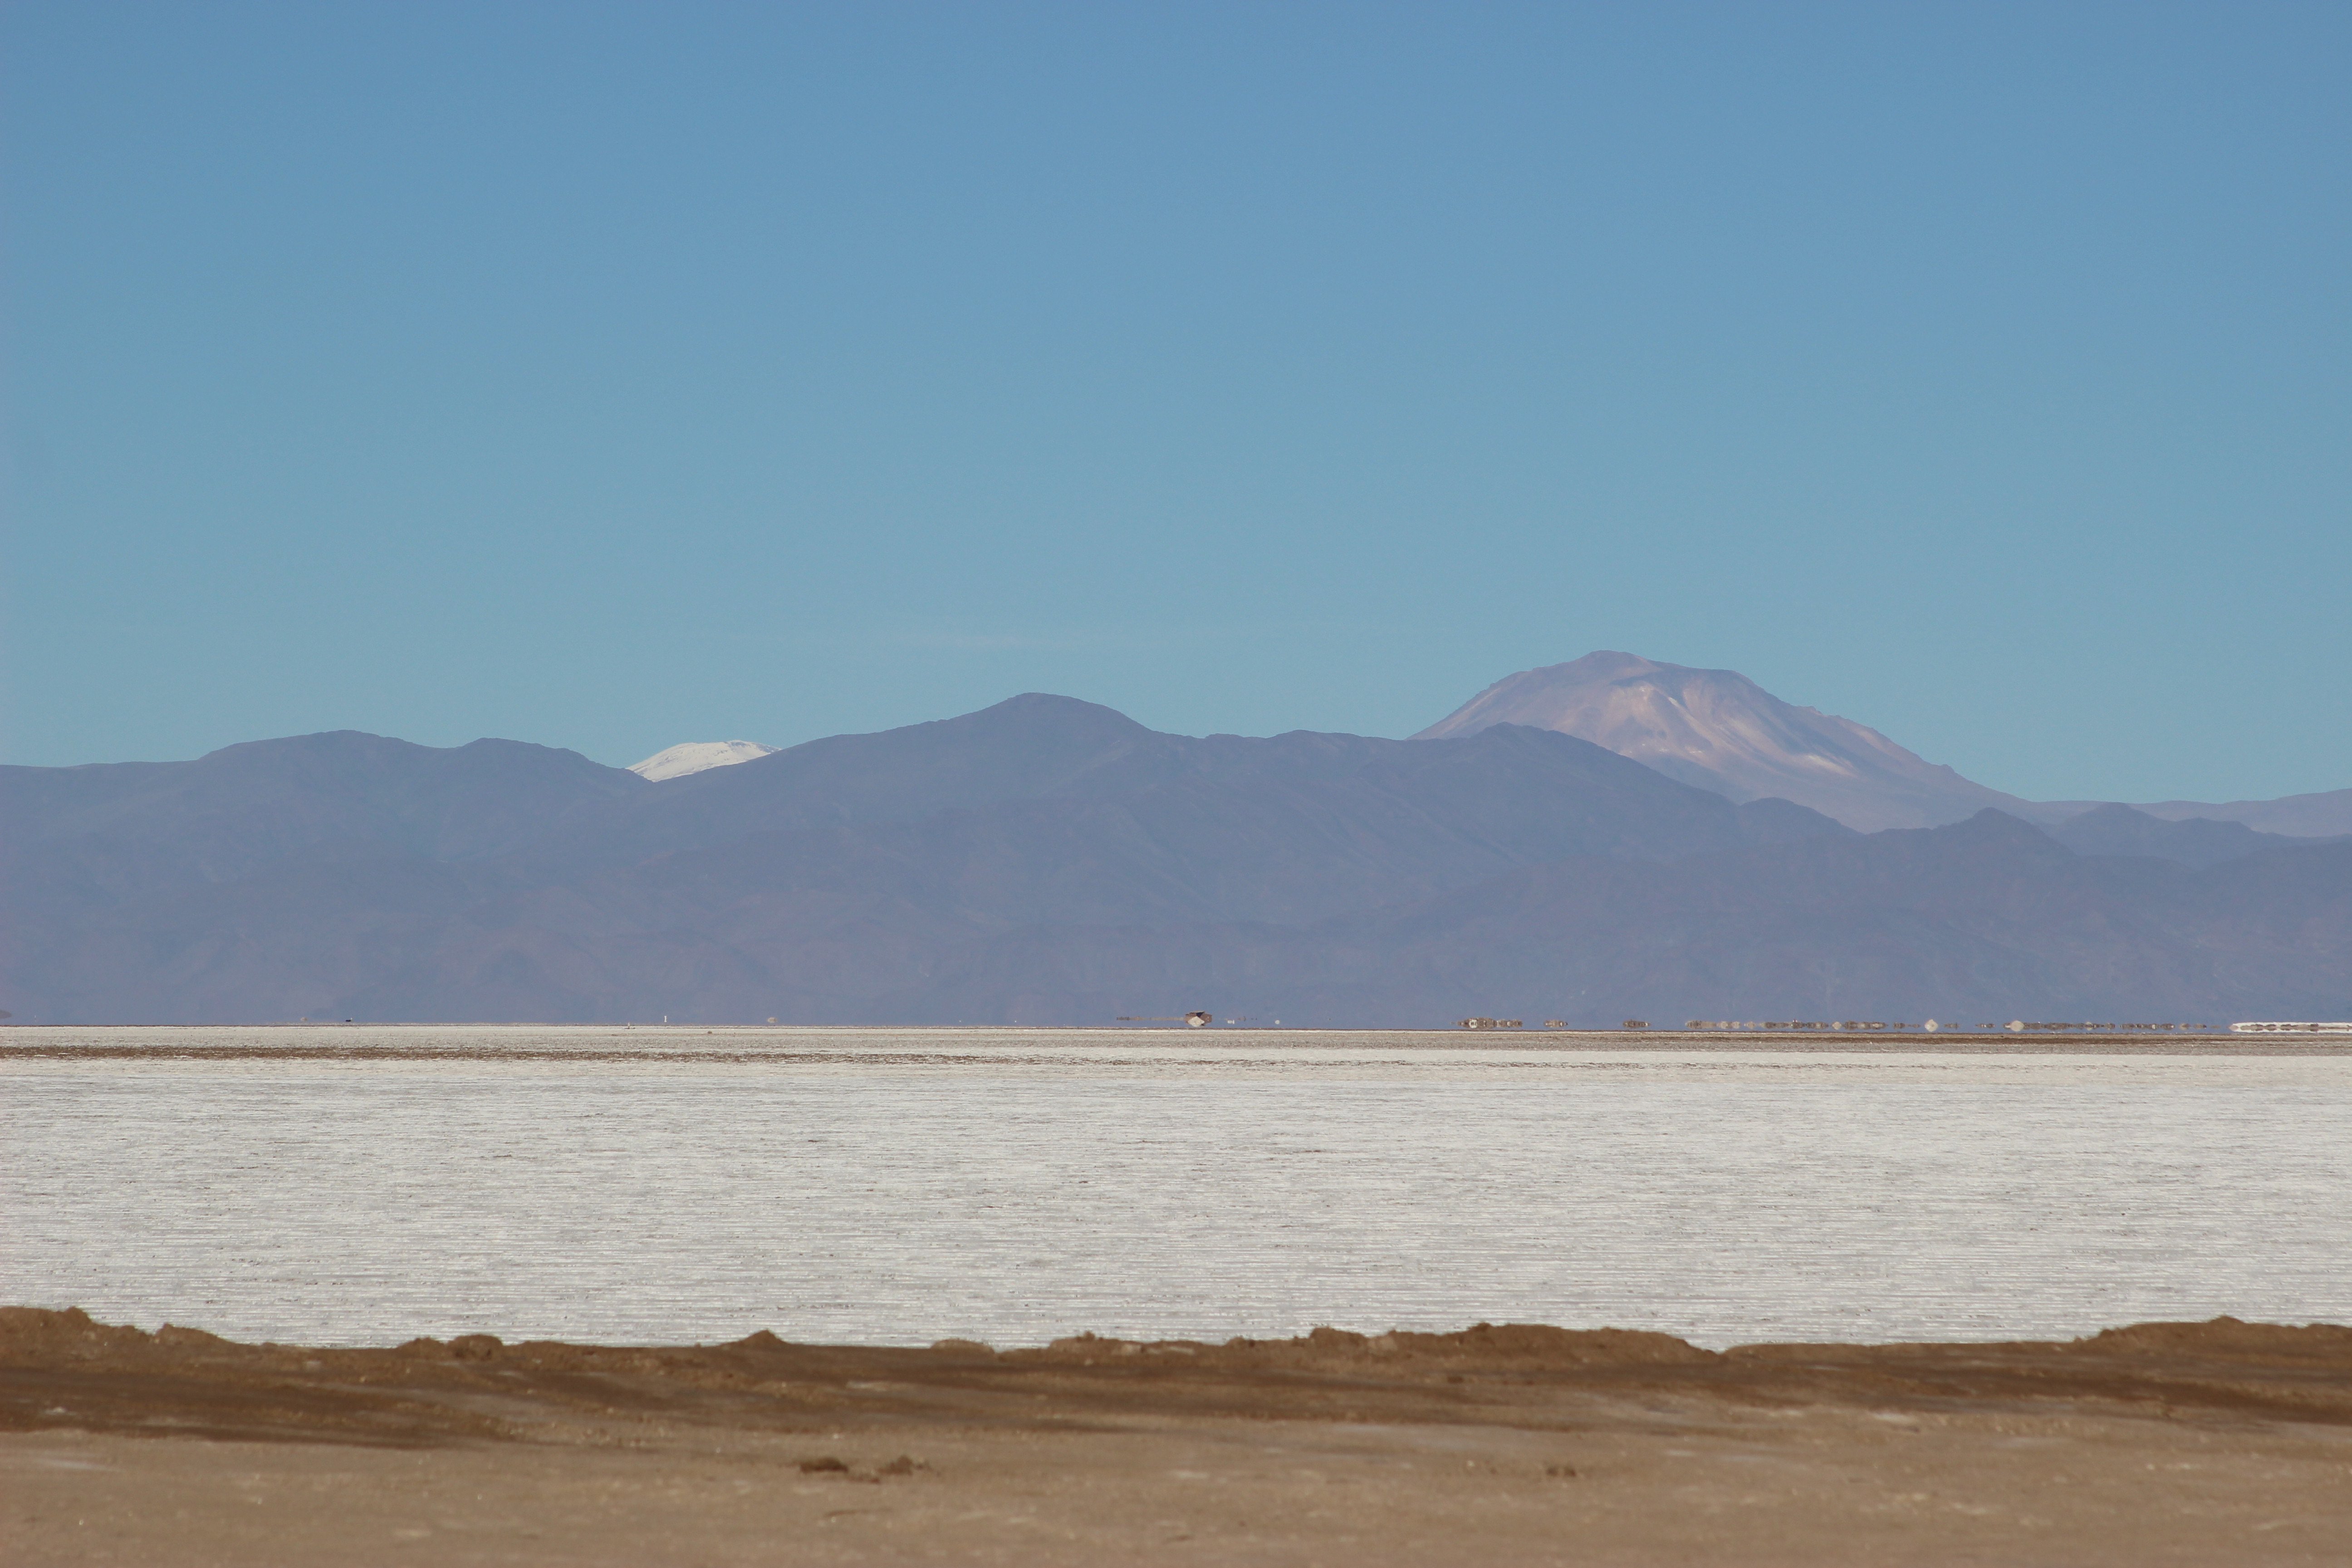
(1021, 749)
(115, 828)
(1974, 922)
(263, 879)
(2193, 841)
(1294, 828)
(2326, 815)
(1532, 795)
(1984, 917)
(1720, 731)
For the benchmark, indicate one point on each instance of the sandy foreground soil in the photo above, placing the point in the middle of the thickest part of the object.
(2221, 1442)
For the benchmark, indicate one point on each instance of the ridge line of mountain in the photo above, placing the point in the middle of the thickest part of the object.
(1052, 861)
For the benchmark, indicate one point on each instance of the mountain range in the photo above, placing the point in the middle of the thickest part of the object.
(1049, 862)
(1720, 731)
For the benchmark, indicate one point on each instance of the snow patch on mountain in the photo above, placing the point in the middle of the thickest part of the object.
(699, 756)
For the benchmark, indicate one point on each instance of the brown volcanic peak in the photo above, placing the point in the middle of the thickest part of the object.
(1720, 731)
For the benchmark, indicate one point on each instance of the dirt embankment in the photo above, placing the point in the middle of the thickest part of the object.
(2161, 1443)
(63, 1369)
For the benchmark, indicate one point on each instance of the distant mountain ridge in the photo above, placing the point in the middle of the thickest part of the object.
(2193, 841)
(233, 811)
(1048, 860)
(1720, 731)
(2324, 815)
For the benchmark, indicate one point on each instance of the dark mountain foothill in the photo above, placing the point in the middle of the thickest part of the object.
(1054, 862)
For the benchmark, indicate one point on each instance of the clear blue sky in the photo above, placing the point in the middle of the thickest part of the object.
(615, 375)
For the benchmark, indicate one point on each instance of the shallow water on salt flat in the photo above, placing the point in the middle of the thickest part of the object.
(359, 1185)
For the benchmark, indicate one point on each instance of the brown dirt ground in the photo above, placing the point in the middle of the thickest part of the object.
(2222, 1443)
